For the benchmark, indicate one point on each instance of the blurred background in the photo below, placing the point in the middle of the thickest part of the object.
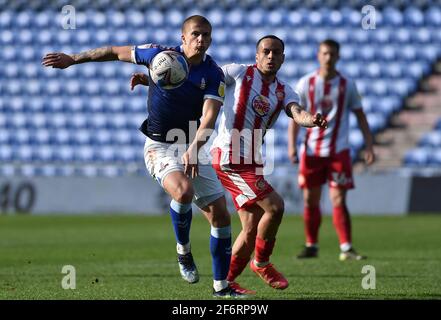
(69, 139)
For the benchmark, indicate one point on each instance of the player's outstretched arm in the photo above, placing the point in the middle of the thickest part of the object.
(369, 156)
(306, 119)
(293, 132)
(61, 60)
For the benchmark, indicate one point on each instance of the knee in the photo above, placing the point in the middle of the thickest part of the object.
(338, 200)
(250, 232)
(311, 201)
(184, 193)
(277, 209)
(220, 216)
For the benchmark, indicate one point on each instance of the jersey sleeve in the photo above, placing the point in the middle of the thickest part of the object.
(232, 72)
(354, 98)
(216, 85)
(301, 92)
(290, 97)
(143, 54)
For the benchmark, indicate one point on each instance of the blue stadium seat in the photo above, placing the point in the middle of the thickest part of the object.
(84, 154)
(81, 137)
(435, 158)
(275, 18)
(42, 136)
(235, 17)
(110, 171)
(387, 52)
(391, 16)
(431, 139)
(50, 115)
(101, 137)
(437, 125)
(64, 153)
(7, 170)
(433, 16)
(106, 154)
(413, 17)
(48, 171)
(61, 137)
(44, 153)
(417, 157)
(256, 17)
(356, 138)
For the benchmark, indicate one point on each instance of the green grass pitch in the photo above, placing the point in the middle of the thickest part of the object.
(133, 257)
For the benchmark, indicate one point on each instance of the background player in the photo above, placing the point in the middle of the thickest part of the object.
(253, 101)
(200, 95)
(325, 154)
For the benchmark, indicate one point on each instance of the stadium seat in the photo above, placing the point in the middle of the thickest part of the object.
(51, 115)
(431, 139)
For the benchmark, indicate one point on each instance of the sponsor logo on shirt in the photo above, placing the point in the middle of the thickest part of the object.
(203, 84)
(261, 105)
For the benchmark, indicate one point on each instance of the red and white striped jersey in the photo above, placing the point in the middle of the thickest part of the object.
(333, 99)
(251, 106)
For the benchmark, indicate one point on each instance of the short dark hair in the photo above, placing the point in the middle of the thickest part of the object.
(270, 36)
(198, 19)
(331, 43)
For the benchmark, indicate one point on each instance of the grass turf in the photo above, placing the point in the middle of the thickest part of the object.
(133, 257)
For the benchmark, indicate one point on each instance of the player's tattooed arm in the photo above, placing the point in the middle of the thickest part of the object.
(61, 60)
(304, 118)
(98, 54)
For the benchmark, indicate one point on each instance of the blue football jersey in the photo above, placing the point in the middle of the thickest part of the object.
(176, 108)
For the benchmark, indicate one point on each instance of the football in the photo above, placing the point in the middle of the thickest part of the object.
(169, 69)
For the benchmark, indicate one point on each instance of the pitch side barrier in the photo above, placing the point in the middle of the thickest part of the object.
(375, 194)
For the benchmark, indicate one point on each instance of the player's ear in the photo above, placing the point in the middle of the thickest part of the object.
(183, 39)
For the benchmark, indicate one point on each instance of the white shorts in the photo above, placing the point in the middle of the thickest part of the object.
(163, 158)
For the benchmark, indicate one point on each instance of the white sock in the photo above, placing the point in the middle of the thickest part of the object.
(218, 285)
(183, 248)
(345, 246)
(260, 264)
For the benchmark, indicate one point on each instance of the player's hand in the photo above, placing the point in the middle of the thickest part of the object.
(292, 155)
(369, 156)
(138, 78)
(190, 161)
(57, 60)
(320, 121)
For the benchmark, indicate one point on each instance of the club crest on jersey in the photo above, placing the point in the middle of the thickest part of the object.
(203, 84)
(261, 105)
(280, 95)
(260, 184)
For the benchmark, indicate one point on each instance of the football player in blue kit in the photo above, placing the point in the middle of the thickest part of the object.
(167, 130)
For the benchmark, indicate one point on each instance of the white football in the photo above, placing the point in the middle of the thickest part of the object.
(169, 69)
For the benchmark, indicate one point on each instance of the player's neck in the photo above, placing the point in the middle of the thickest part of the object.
(328, 74)
(195, 60)
(267, 77)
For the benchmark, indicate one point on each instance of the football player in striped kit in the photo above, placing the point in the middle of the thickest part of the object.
(254, 98)
(325, 153)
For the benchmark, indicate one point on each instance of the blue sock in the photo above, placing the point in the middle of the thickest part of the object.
(220, 248)
(181, 216)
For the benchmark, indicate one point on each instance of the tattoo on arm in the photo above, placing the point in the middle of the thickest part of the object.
(300, 116)
(95, 55)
